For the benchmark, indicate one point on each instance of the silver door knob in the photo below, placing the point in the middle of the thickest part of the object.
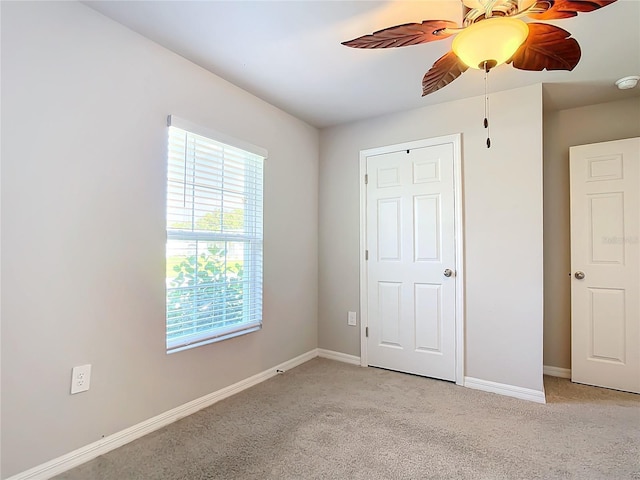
(579, 275)
(448, 272)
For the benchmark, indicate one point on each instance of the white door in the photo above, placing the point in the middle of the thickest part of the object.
(605, 263)
(411, 243)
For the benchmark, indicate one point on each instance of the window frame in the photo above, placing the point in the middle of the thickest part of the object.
(252, 269)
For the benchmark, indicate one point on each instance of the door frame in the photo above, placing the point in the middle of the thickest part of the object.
(455, 140)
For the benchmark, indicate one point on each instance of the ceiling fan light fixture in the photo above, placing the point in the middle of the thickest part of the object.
(492, 40)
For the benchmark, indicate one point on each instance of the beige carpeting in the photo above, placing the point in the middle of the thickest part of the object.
(329, 420)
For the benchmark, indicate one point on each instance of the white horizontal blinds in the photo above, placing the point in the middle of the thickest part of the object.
(214, 240)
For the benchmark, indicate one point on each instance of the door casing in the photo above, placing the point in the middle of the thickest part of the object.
(455, 140)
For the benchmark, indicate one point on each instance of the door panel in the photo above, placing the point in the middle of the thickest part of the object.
(606, 221)
(605, 246)
(428, 300)
(426, 240)
(390, 231)
(389, 295)
(607, 324)
(410, 217)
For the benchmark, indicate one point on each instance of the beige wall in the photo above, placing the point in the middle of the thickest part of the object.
(562, 129)
(502, 228)
(84, 106)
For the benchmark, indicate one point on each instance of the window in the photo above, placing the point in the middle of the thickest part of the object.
(214, 237)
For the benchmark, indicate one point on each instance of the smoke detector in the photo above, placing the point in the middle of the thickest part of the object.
(627, 82)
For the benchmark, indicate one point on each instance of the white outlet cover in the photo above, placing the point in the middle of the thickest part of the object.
(352, 319)
(80, 378)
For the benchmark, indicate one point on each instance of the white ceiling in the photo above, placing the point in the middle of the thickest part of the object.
(289, 53)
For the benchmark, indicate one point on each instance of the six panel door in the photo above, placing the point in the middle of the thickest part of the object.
(411, 242)
(605, 262)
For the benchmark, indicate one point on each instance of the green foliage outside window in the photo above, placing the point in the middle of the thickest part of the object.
(205, 290)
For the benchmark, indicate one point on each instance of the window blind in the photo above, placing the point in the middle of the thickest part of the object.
(214, 239)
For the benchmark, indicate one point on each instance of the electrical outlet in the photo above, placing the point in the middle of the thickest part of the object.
(80, 379)
(352, 319)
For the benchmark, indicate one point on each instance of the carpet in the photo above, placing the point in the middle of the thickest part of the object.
(330, 420)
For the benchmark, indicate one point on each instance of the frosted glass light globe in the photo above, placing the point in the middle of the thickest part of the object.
(493, 40)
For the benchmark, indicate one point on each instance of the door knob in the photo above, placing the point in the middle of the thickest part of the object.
(448, 272)
(579, 275)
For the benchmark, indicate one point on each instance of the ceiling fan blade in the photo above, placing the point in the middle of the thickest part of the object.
(446, 69)
(547, 48)
(567, 8)
(404, 35)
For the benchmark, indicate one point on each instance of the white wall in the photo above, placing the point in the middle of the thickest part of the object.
(563, 129)
(502, 228)
(84, 106)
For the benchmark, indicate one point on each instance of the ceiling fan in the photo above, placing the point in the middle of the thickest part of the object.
(492, 32)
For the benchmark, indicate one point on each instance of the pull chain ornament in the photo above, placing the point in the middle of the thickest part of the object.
(487, 67)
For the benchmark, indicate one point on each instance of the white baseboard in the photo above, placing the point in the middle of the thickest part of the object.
(340, 357)
(93, 450)
(504, 389)
(556, 371)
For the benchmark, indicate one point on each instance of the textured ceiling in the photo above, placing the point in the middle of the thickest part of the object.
(289, 53)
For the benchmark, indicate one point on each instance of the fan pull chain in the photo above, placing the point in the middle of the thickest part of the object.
(486, 103)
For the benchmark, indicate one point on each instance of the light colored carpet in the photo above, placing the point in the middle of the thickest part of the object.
(329, 420)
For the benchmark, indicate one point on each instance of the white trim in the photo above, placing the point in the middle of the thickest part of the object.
(338, 356)
(105, 445)
(456, 141)
(181, 123)
(504, 389)
(459, 236)
(364, 272)
(556, 371)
